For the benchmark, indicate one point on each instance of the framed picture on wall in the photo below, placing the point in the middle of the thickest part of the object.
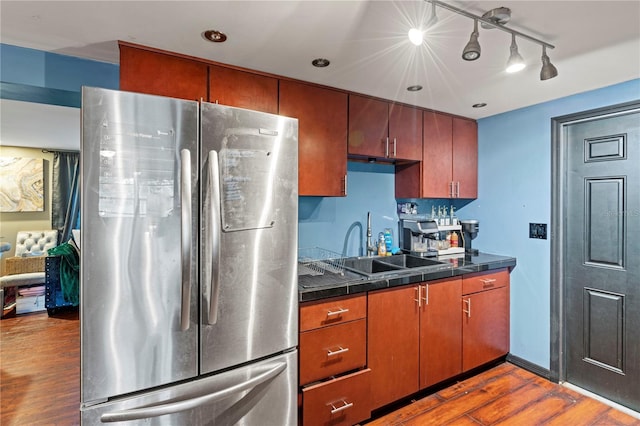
(21, 184)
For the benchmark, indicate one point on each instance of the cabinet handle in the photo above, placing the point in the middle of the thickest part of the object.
(386, 148)
(338, 352)
(468, 311)
(458, 189)
(487, 282)
(345, 185)
(395, 144)
(344, 406)
(426, 294)
(419, 299)
(340, 311)
(451, 192)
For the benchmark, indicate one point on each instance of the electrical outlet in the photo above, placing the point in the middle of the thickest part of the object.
(538, 230)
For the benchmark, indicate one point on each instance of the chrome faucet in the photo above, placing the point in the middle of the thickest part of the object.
(371, 249)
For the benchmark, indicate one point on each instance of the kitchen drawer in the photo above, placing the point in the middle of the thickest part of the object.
(341, 401)
(481, 281)
(327, 351)
(334, 311)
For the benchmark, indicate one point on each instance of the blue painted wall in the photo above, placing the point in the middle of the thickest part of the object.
(514, 189)
(36, 76)
(324, 222)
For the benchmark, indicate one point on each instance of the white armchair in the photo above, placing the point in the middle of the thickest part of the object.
(27, 267)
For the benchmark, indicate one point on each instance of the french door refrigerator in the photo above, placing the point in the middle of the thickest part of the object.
(188, 263)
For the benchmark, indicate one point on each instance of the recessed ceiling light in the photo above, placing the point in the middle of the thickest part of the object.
(414, 88)
(214, 36)
(479, 105)
(320, 62)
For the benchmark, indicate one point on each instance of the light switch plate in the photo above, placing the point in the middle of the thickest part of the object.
(538, 230)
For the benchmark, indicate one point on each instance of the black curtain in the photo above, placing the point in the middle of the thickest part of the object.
(65, 199)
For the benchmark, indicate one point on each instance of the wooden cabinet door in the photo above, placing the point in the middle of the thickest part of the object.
(405, 132)
(485, 327)
(393, 352)
(228, 86)
(437, 155)
(156, 73)
(322, 136)
(440, 331)
(368, 127)
(465, 157)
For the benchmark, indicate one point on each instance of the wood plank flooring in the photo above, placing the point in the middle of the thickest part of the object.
(506, 395)
(40, 385)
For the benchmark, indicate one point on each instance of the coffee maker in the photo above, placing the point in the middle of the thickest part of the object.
(422, 236)
(469, 232)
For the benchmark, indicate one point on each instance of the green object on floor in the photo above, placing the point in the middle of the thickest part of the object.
(69, 272)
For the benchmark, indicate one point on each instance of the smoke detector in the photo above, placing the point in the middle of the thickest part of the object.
(499, 15)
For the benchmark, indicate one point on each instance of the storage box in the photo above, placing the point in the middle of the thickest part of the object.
(22, 265)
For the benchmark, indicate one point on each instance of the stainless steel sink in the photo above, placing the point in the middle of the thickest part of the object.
(407, 261)
(390, 265)
(370, 265)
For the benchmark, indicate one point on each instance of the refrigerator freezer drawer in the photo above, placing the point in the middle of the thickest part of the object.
(260, 393)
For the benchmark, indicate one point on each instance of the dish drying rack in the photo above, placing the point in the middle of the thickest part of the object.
(316, 261)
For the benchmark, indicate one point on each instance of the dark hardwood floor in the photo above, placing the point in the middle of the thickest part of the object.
(40, 385)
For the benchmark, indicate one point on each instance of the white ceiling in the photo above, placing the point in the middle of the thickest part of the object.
(597, 43)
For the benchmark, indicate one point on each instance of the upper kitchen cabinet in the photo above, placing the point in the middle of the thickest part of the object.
(449, 167)
(405, 132)
(380, 130)
(322, 136)
(228, 86)
(465, 158)
(157, 73)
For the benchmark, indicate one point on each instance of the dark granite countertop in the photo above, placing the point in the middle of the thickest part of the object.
(332, 285)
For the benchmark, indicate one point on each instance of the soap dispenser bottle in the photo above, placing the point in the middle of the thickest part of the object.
(382, 246)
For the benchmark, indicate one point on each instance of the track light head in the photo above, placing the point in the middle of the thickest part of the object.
(515, 62)
(471, 51)
(548, 70)
(415, 36)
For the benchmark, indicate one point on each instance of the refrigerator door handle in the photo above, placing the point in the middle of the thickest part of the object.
(186, 242)
(188, 404)
(215, 229)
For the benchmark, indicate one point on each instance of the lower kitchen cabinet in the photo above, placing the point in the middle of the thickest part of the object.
(440, 331)
(341, 401)
(414, 338)
(393, 343)
(334, 380)
(332, 350)
(485, 321)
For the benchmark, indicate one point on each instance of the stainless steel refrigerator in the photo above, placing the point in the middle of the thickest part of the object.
(188, 263)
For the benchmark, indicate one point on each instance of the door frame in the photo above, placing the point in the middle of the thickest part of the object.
(559, 158)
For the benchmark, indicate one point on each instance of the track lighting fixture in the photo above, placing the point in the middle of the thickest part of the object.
(471, 51)
(548, 70)
(496, 19)
(515, 62)
(434, 18)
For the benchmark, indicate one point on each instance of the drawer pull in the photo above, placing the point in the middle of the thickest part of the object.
(338, 352)
(344, 406)
(488, 282)
(340, 311)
